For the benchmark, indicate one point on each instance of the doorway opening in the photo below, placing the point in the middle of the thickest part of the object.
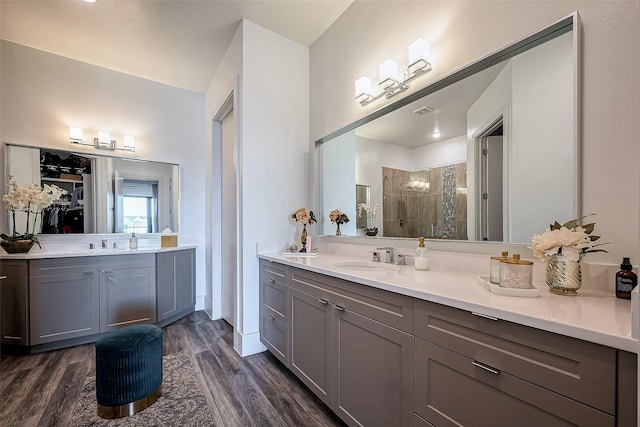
(490, 143)
(226, 262)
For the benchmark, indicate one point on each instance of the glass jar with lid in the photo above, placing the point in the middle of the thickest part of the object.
(494, 267)
(516, 273)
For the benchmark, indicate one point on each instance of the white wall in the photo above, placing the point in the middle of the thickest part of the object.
(43, 94)
(273, 122)
(337, 180)
(462, 32)
(445, 152)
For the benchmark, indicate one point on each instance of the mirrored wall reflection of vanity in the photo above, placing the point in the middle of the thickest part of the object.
(104, 194)
(488, 153)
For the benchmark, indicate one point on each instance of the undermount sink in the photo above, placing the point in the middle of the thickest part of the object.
(366, 266)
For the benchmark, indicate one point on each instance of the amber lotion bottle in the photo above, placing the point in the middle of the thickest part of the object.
(626, 280)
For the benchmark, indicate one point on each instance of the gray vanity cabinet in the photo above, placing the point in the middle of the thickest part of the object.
(127, 297)
(312, 342)
(474, 370)
(274, 293)
(14, 297)
(64, 306)
(176, 284)
(82, 296)
(348, 346)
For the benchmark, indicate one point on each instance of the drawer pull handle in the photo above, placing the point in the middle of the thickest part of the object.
(323, 301)
(485, 367)
(272, 280)
(486, 316)
(338, 307)
(271, 317)
(3, 277)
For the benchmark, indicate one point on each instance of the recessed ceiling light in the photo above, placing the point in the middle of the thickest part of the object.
(436, 134)
(91, 1)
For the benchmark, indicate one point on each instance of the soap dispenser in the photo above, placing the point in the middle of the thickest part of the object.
(422, 256)
(133, 241)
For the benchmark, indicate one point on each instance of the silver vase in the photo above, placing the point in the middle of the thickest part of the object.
(563, 275)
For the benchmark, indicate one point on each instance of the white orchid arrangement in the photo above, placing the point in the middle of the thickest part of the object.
(304, 216)
(31, 199)
(338, 217)
(371, 212)
(571, 239)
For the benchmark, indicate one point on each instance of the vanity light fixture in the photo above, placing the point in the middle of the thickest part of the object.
(129, 143)
(103, 141)
(390, 81)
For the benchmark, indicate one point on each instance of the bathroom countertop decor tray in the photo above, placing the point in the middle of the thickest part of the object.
(511, 292)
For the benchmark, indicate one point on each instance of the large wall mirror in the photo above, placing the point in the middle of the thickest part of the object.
(104, 194)
(489, 153)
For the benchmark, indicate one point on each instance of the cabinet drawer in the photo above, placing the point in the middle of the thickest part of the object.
(273, 333)
(60, 266)
(578, 369)
(452, 391)
(271, 272)
(274, 297)
(386, 307)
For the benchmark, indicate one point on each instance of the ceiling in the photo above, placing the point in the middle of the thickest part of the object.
(447, 113)
(176, 42)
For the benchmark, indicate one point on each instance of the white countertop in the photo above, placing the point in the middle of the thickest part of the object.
(59, 251)
(593, 316)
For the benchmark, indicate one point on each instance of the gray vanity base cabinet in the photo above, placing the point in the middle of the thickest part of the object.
(274, 294)
(15, 302)
(452, 391)
(83, 296)
(64, 306)
(176, 285)
(311, 342)
(127, 298)
(343, 349)
(374, 372)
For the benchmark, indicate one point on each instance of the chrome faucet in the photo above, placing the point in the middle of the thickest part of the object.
(389, 254)
(104, 243)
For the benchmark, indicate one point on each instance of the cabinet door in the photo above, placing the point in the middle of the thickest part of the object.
(185, 279)
(374, 372)
(176, 283)
(311, 342)
(452, 391)
(127, 298)
(15, 302)
(64, 306)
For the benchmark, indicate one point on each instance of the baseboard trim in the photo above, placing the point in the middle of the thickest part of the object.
(248, 344)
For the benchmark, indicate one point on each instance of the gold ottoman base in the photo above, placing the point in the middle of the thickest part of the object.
(113, 412)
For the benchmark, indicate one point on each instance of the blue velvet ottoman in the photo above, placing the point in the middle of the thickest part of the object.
(128, 370)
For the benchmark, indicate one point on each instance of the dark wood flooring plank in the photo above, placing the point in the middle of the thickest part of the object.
(254, 391)
(226, 403)
(45, 379)
(295, 402)
(172, 342)
(59, 409)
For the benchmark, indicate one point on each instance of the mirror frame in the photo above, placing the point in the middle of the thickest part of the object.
(4, 211)
(564, 25)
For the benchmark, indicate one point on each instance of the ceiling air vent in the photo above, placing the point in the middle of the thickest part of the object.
(423, 110)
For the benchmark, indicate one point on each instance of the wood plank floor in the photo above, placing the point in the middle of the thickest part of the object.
(41, 389)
